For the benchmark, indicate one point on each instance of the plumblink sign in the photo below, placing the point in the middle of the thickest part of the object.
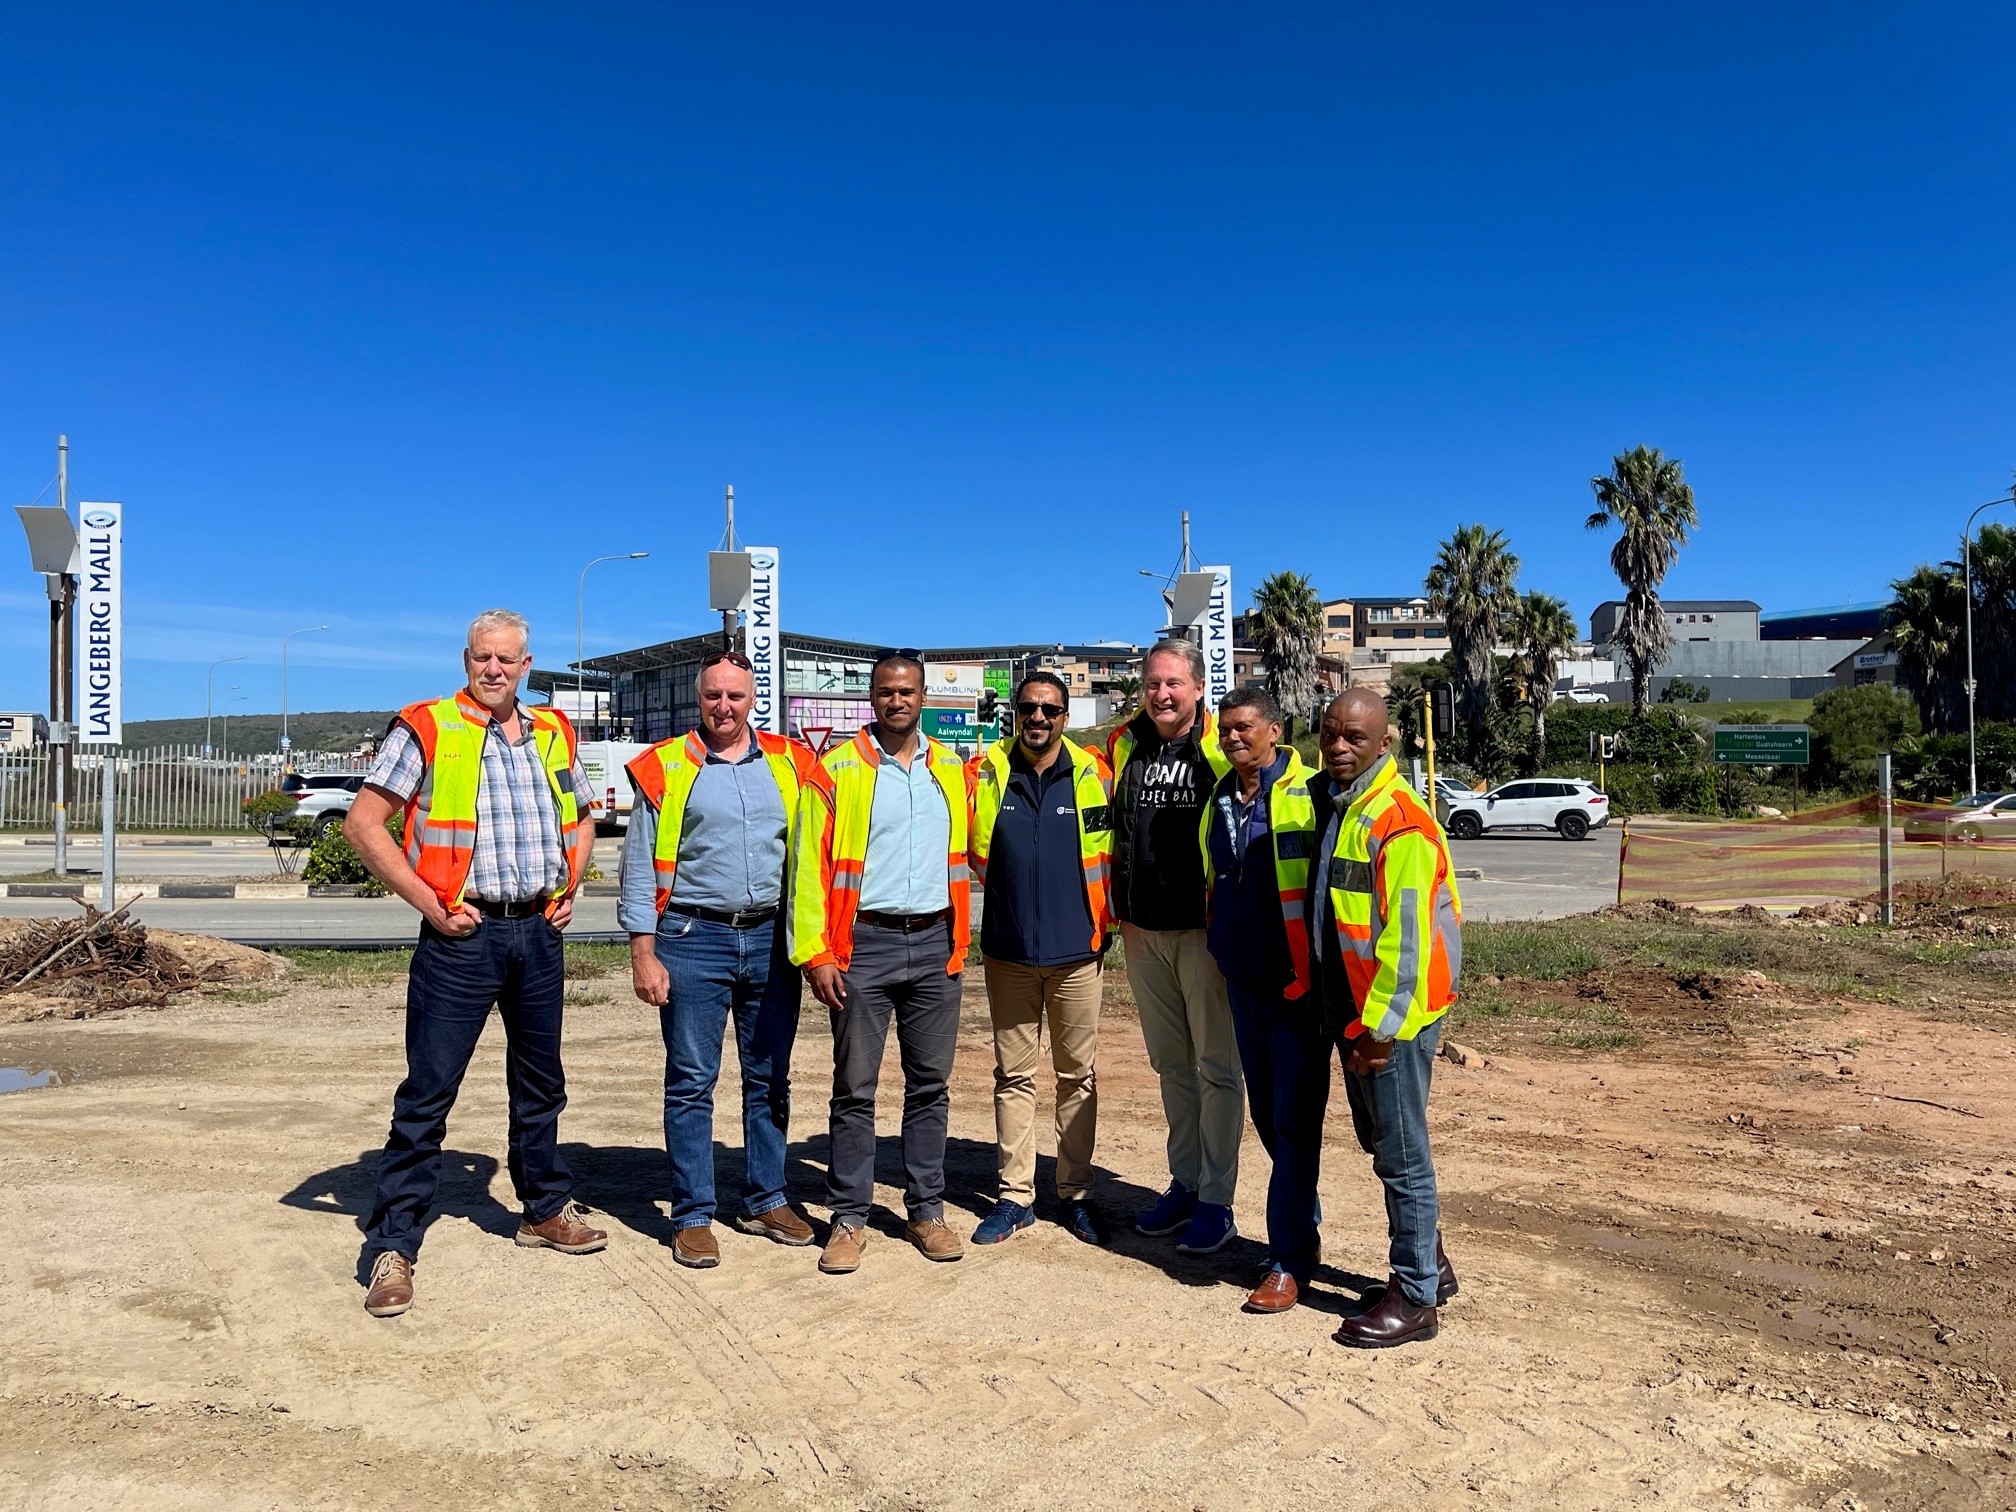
(98, 583)
(765, 641)
(1764, 745)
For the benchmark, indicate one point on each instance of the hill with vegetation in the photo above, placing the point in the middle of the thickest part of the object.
(341, 731)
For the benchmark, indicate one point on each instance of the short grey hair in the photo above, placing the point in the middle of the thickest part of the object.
(1173, 645)
(501, 619)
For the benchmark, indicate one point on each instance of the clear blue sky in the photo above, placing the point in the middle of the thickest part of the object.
(379, 315)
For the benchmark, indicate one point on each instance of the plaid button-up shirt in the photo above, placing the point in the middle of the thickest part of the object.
(518, 853)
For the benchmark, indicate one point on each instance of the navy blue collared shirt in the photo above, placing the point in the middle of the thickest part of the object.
(1035, 911)
(1246, 935)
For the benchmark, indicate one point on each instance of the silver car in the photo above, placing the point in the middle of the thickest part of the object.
(322, 799)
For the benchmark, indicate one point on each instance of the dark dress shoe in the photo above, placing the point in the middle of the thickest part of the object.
(1393, 1320)
(1446, 1285)
(1276, 1294)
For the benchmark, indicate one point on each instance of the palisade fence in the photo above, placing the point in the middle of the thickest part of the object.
(166, 788)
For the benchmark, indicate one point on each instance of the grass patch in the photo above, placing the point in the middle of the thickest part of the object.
(1538, 953)
(584, 997)
(587, 962)
(250, 994)
(1593, 1039)
(347, 968)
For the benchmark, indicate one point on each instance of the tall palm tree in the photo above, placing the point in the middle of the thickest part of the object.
(1994, 573)
(1926, 615)
(1286, 626)
(1646, 494)
(1473, 587)
(1128, 687)
(1546, 631)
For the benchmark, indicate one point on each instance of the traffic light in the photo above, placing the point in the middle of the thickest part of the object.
(1442, 709)
(990, 706)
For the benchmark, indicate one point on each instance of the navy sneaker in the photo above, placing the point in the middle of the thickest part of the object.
(1082, 1220)
(1006, 1219)
(1171, 1211)
(1209, 1231)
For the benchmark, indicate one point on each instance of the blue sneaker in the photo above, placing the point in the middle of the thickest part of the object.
(1082, 1221)
(1210, 1231)
(1171, 1211)
(1006, 1219)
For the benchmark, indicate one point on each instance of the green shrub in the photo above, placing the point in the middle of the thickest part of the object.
(266, 812)
(332, 862)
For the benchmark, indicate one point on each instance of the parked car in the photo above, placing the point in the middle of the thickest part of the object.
(1581, 696)
(1978, 816)
(1566, 805)
(322, 798)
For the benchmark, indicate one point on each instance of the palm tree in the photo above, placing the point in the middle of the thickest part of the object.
(1286, 627)
(1546, 631)
(1994, 572)
(1472, 586)
(1927, 610)
(1645, 494)
(1128, 687)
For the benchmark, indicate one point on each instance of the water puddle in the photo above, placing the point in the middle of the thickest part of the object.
(28, 1078)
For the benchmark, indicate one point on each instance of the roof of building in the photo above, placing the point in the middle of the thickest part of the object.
(1696, 606)
(1879, 606)
(692, 647)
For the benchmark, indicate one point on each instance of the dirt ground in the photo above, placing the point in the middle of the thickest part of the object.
(1758, 1256)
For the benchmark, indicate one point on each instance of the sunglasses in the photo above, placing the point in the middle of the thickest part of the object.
(1040, 710)
(907, 653)
(733, 658)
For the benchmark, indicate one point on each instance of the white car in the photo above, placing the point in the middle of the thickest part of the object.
(1566, 805)
(1581, 696)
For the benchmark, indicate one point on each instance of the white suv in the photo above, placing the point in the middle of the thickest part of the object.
(1566, 805)
(324, 798)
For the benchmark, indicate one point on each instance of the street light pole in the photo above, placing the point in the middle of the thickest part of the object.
(227, 718)
(207, 684)
(1967, 574)
(285, 748)
(581, 622)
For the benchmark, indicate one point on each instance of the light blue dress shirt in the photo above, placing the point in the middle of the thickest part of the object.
(906, 869)
(731, 847)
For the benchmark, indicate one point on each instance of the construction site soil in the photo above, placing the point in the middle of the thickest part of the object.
(1731, 1199)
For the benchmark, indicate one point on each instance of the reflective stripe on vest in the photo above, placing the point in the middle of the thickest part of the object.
(1291, 830)
(440, 820)
(829, 842)
(1395, 909)
(664, 776)
(1093, 792)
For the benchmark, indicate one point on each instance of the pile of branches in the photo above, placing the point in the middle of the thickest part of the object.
(105, 957)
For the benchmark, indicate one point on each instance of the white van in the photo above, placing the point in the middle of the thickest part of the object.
(602, 762)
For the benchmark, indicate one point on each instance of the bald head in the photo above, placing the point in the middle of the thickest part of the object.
(1355, 734)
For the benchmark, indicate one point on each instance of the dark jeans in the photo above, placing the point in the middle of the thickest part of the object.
(718, 970)
(515, 966)
(901, 977)
(1285, 1056)
(1390, 1113)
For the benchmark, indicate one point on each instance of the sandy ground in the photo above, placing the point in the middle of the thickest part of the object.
(1738, 1270)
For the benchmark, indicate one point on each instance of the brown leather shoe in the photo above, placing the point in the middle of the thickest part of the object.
(934, 1240)
(564, 1231)
(1446, 1284)
(1276, 1294)
(696, 1247)
(1394, 1320)
(779, 1224)
(843, 1249)
(391, 1290)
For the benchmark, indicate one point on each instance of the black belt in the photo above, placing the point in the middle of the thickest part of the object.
(903, 923)
(741, 918)
(521, 910)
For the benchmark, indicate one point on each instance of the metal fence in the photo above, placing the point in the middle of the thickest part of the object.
(168, 788)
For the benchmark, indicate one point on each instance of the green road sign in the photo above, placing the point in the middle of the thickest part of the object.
(1764, 745)
(954, 726)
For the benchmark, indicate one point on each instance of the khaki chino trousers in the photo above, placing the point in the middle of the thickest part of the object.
(1186, 1022)
(1020, 999)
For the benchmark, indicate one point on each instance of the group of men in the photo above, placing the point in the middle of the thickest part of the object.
(1269, 917)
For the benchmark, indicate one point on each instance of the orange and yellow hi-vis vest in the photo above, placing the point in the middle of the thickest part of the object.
(1091, 789)
(829, 843)
(1291, 831)
(441, 816)
(665, 775)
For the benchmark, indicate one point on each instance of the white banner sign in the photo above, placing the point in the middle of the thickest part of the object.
(98, 590)
(1217, 637)
(958, 679)
(763, 634)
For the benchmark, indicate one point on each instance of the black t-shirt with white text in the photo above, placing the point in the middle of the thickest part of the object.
(1158, 862)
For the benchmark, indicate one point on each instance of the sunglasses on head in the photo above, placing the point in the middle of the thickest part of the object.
(906, 653)
(1030, 709)
(733, 658)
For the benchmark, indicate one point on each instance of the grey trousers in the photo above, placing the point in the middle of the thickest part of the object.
(901, 977)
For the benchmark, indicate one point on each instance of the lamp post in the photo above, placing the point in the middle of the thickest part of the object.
(227, 717)
(207, 684)
(1967, 572)
(284, 746)
(581, 621)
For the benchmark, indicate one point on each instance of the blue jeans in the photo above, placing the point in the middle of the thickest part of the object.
(1285, 1055)
(515, 965)
(717, 970)
(1390, 1113)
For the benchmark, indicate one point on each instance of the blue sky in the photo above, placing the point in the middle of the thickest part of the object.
(376, 316)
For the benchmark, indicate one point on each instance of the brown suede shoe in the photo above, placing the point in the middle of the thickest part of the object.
(696, 1247)
(934, 1240)
(843, 1249)
(564, 1231)
(391, 1290)
(779, 1224)
(1276, 1294)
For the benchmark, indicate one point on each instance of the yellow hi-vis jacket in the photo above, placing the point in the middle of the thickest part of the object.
(1291, 828)
(1120, 746)
(829, 843)
(665, 775)
(441, 815)
(1393, 903)
(1091, 788)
